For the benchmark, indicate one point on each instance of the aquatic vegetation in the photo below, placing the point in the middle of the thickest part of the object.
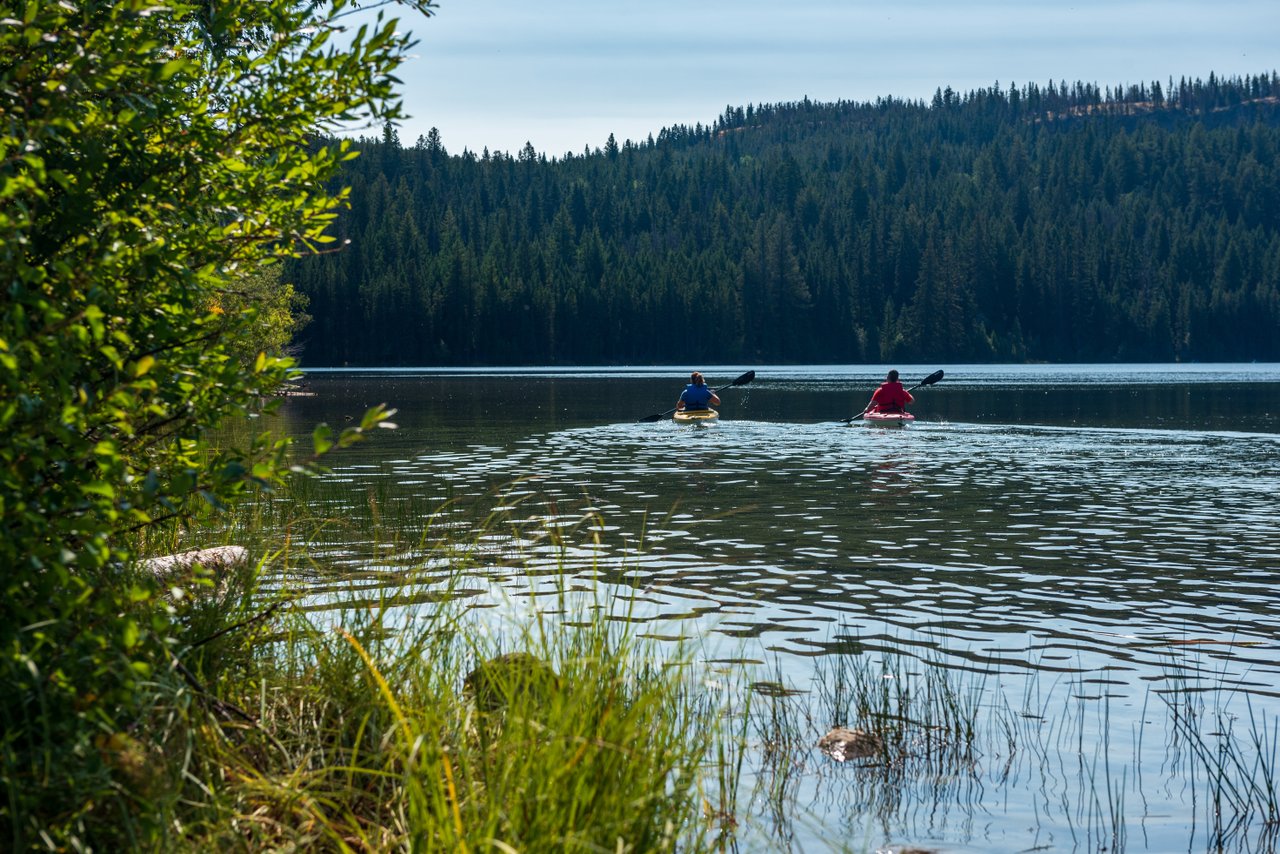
(953, 735)
(1234, 751)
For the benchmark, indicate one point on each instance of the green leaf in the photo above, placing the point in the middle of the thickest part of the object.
(131, 634)
(156, 161)
(321, 439)
(172, 67)
(99, 487)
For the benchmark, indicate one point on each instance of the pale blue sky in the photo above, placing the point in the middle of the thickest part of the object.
(564, 74)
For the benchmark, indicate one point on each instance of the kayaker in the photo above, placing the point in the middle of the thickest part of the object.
(696, 395)
(890, 397)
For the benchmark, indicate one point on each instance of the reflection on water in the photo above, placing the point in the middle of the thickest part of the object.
(1087, 546)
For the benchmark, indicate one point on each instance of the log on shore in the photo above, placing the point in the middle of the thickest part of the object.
(215, 559)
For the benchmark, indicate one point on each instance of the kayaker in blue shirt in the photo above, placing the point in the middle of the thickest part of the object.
(696, 395)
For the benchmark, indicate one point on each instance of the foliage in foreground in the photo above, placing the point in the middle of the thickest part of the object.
(155, 159)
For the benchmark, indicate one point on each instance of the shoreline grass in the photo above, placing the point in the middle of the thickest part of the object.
(368, 735)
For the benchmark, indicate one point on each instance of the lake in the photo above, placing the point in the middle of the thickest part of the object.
(1091, 551)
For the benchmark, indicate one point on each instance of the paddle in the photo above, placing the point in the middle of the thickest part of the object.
(742, 380)
(929, 380)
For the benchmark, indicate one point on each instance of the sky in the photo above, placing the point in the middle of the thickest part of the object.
(565, 74)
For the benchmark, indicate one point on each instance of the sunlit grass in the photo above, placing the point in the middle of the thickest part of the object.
(362, 730)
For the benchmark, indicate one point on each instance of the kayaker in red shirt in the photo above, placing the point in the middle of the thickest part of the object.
(890, 397)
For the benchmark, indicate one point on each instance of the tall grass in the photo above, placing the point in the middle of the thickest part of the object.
(358, 729)
(1235, 751)
(928, 727)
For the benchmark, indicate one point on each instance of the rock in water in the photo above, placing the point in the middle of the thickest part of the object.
(843, 744)
(497, 682)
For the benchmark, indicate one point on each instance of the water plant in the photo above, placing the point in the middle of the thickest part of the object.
(1235, 752)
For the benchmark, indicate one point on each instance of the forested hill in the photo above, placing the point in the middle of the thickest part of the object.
(1058, 223)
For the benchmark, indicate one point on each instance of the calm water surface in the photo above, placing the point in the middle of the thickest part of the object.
(1092, 543)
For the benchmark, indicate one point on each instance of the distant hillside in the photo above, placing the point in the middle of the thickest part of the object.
(1058, 223)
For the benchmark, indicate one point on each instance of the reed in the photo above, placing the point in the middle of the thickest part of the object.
(918, 709)
(362, 731)
(1235, 752)
(927, 727)
(779, 719)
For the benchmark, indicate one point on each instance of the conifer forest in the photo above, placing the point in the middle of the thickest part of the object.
(1058, 222)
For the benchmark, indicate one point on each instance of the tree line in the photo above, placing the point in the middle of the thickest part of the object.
(1048, 222)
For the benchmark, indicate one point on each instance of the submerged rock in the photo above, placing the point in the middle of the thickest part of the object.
(843, 744)
(497, 682)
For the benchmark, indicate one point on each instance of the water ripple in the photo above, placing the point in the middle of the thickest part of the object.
(1047, 548)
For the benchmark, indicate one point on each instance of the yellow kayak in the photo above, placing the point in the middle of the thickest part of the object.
(695, 416)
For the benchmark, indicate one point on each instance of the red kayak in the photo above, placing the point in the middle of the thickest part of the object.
(888, 419)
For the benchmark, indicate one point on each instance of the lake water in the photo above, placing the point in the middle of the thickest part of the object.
(1094, 547)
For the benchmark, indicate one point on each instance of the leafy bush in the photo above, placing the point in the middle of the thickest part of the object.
(152, 155)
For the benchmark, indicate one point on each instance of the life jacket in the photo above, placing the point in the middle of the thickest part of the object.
(696, 397)
(890, 397)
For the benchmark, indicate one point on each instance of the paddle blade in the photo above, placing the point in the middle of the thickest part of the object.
(742, 380)
(649, 419)
(931, 379)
